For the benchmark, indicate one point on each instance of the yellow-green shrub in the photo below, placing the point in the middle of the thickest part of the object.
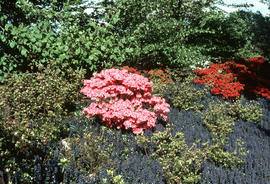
(32, 106)
(181, 164)
(46, 93)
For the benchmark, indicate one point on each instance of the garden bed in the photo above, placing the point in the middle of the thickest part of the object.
(206, 139)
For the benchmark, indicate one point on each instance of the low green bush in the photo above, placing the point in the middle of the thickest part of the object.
(247, 110)
(217, 154)
(187, 97)
(181, 164)
(32, 106)
(218, 120)
(84, 154)
(46, 93)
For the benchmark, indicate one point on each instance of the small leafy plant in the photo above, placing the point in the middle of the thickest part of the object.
(84, 154)
(181, 164)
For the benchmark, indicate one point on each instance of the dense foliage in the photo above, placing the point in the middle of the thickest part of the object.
(172, 33)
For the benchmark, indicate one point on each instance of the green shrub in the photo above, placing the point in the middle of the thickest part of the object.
(32, 106)
(181, 164)
(47, 93)
(218, 120)
(217, 154)
(84, 154)
(187, 97)
(258, 30)
(115, 179)
(247, 110)
(54, 33)
(156, 32)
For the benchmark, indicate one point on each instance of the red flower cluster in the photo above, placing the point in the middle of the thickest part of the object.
(157, 73)
(233, 78)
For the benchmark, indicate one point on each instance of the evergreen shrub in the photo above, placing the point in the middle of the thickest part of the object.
(32, 107)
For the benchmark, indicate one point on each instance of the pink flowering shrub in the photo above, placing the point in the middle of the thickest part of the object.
(120, 99)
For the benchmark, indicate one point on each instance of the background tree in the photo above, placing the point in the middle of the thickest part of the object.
(62, 33)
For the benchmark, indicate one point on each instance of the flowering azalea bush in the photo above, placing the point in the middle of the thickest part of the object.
(120, 98)
(221, 82)
(159, 74)
(233, 78)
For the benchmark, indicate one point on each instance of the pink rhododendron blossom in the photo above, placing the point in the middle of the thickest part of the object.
(119, 97)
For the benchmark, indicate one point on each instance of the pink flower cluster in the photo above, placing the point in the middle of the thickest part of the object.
(120, 98)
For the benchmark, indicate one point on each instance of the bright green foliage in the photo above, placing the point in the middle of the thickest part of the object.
(60, 36)
(139, 33)
(181, 164)
(218, 120)
(247, 110)
(156, 31)
(115, 179)
(217, 154)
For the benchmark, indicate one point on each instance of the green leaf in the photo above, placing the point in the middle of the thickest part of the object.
(44, 54)
(7, 26)
(109, 42)
(12, 44)
(131, 38)
(93, 24)
(39, 36)
(95, 51)
(10, 68)
(62, 57)
(23, 52)
(49, 15)
(116, 18)
(129, 50)
(123, 40)
(14, 32)
(3, 38)
(93, 57)
(67, 8)
(88, 61)
(77, 52)
(65, 48)
(33, 39)
(103, 48)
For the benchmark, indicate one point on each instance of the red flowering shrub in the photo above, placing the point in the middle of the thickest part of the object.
(233, 78)
(157, 73)
(152, 74)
